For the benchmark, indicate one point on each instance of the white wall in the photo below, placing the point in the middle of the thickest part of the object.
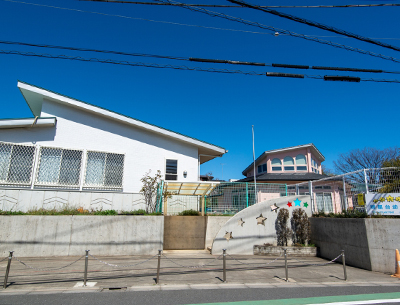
(77, 129)
(25, 200)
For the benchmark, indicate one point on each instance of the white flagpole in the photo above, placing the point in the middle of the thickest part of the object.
(254, 168)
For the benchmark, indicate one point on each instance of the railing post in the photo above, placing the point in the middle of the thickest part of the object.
(286, 267)
(344, 193)
(86, 268)
(158, 266)
(344, 266)
(366, 181)
(8, 269)
(247, 194)
(224, 264)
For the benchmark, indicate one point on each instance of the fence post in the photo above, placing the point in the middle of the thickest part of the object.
(311, 196)
(286, 188)
(344, 266)
(224, 265)
(158, 266)
(366, 181)
(247, 194)
(86, 268)
(297, 189)
(286, 267)
(8, 269)
(344, 193)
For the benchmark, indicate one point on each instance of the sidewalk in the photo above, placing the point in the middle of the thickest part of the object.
(179, 270)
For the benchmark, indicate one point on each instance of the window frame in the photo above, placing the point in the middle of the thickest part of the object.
(58, 184)
(171, 174)
(103, 186)
(29, 175)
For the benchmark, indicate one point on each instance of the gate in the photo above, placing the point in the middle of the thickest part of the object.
(185, 232)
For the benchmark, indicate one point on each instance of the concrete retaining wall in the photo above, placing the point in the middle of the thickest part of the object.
(368, 243)
(278, 251)
(214, 224)
(72, 235)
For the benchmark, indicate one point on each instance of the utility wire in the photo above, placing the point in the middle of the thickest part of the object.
(193, 59)
(282, 31)
(135, 18)
(316, 24)
(48, 46)
(169, 22)
(211, 13)
(239, 6)
(212, 70)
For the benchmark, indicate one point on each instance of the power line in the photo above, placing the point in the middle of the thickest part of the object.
(238, 6)
(169, 22)
(136, 18)
(212, 70)
(282, 31)
(210, 13)
(49, 46)
(207, 60)
(316, 24)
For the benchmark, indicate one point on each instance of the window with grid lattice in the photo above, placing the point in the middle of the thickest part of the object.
(104, 170)
(59, 167)
(16, 163)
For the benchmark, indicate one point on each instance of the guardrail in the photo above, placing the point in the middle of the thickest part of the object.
(224, 256)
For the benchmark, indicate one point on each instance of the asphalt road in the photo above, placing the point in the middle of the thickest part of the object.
(193, 296)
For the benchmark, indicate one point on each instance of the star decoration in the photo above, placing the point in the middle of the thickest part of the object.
(289, 204)
(228, 235)
(381, 199)
(261, 219)
(305, 204)
(275, 208)
(398, 199)
(241, 222)
(375, 200)
(389, 198)
(297, 202)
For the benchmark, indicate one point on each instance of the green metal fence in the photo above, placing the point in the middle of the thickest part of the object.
(224, 198)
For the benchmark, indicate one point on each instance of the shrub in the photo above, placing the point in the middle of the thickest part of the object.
(105, 212)
(283, 233)
(189, 213)
(301, 227)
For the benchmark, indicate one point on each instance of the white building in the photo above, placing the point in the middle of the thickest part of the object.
(73, 145)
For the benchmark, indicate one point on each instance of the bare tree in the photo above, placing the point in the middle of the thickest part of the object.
(149, 190)
(327, 171)
(367, 157)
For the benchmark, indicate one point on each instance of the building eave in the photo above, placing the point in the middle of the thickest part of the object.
(27, 123)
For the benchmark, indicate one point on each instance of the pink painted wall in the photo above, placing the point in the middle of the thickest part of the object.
(281, 155)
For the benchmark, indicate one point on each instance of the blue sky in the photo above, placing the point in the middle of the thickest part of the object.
(214, 107)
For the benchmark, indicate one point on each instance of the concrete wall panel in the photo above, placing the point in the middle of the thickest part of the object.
(72, 235)
(214, 224)
(383, 240)
(331, 235)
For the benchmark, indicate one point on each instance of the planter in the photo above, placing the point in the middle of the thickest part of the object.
(278, 250)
